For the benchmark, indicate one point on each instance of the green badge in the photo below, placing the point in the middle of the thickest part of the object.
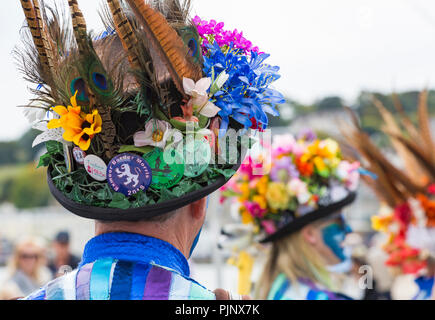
(167, 168)
(197, 156)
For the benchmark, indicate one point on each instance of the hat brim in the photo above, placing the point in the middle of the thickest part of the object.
(134, 214)
(320, 213)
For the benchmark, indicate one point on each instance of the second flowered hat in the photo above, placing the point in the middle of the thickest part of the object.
(306, 179)
(404, 183)
(136, 120)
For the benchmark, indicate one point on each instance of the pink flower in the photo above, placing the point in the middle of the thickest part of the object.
(286, 145)
(348, 172)
(213, 31)
(269, 226)
(254, 209)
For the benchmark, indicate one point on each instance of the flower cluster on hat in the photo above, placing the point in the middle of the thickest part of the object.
(78, 126)
(302, 172)
(211, 31)
(247, 96)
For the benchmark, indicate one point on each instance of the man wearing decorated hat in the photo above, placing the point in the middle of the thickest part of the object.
(297, 209)
(135, 115)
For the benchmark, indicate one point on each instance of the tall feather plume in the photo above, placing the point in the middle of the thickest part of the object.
(392, 128)
(406, 122)
(393, 185)
(89, 61)
(125, 32)
(168, 45)
(34, 20)
(423, 120)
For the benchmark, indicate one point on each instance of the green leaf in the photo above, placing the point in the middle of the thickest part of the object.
(227, 173)
(104, 194)
(54, 148)
(141, 200)
(119, 201)
(203, 121)
(44, 161)
(185, 187)
(142, 150)
(166, 195)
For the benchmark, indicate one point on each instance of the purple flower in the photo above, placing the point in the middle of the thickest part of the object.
(307, 135)
(283, 170)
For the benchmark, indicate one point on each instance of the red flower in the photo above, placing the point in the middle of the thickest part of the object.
(403, 214)
(431, 189)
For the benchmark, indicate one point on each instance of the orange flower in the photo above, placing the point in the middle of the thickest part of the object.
(305, 168)
(429, 208)
(79, 127)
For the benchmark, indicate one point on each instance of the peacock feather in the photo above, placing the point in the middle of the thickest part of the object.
(94, 86)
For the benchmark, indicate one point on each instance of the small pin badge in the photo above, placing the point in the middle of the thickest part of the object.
(79, 155)
(129, 174)
(167, 167)
(95, 167)
(197, 156)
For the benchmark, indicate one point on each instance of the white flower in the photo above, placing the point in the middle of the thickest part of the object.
(219, 82)
(200, 99)
(47, 134)
(299, 189)
(156, 134)
(34, 114)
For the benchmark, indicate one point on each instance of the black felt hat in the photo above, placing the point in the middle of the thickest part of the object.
(293, 224)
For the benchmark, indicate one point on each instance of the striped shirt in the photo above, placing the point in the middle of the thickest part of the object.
(120, 266)
(282, 289)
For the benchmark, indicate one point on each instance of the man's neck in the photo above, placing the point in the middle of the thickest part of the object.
(150, 229)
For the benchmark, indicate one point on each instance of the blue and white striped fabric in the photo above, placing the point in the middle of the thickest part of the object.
(121, 266)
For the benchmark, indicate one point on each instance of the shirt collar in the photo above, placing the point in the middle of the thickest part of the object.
(135, 248)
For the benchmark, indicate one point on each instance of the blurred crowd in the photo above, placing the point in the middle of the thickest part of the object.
(31, 262)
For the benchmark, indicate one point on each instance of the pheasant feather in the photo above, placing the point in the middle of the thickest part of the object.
(125, 32)
(168, 45)
(34, 21)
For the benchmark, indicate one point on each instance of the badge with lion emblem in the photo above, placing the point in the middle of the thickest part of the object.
(129, 174)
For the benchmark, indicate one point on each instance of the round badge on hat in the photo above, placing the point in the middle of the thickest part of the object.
(95, 167)
(197, 156)
(167, 167)
(79, 155)
(128, 174)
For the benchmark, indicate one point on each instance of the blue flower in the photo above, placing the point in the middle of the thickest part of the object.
(247, 96)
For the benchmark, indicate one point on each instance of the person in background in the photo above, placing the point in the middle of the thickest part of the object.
(297, 208)
(63, 259)
(27, 269)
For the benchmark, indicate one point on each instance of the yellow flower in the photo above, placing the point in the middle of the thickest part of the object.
(331, 148)
(262, 185)
(91, 126)
(277, 196)
(79, 127)
(69, 117)
(261, 200)
(381, 223)
(244, 187)
(319, 163)
(246, 217)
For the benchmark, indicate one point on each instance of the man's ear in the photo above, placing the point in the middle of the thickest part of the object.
(199, 208)
(309, 234)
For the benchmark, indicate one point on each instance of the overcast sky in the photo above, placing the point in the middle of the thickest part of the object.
(333, 47)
